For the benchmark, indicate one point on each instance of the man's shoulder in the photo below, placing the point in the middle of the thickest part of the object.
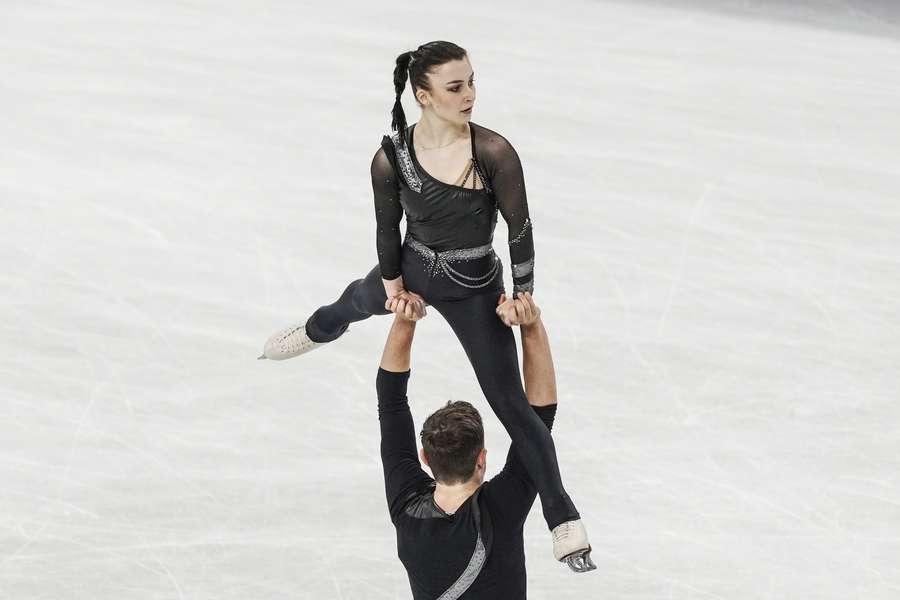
(491, 492)
(418, 502)
(507, 499)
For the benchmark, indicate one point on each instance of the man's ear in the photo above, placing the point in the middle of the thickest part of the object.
(482, 458)
(423, 457)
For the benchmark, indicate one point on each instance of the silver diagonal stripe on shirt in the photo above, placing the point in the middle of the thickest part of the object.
(468, 576)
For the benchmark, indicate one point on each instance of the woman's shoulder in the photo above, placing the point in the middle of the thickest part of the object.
(390, 147)
(486, 134)
(383, 160)
(490, 142)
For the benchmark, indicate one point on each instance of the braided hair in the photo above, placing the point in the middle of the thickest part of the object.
(415, 65)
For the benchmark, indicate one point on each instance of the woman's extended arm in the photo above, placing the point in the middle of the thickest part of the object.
(388, 212)
(508, 182)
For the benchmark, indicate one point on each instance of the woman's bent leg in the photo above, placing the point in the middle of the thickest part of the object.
(491, 348)
(360, 300)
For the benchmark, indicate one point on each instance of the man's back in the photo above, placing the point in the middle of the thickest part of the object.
(477, 552)
(443, 551)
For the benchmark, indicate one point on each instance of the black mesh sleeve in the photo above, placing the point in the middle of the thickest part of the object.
(388, 211)
(504, 171)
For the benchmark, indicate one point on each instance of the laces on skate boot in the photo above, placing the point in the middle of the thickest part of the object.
(288, 343)
(580, 561)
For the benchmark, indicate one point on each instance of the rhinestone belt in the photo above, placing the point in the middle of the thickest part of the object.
(434, 259)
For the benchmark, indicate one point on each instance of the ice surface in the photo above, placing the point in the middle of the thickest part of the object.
(717, 228)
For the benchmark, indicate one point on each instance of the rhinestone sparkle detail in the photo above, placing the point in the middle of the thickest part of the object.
(523, 268)
(404, 161)
(476, 563)
(525, 227)
(444, 258)
(524, 287)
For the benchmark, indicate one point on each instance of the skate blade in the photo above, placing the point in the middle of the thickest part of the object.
(580, 562)
(263, 357)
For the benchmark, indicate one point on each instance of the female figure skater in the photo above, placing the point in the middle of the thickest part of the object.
(447, 260)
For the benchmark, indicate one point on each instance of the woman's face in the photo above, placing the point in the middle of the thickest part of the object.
(452, 91)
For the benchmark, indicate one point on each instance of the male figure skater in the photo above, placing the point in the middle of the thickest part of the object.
(457, 534)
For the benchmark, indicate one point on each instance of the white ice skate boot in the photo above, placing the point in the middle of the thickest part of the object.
(570, 545)
(288, 343)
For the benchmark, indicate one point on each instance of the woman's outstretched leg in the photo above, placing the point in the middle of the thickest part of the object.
(491, 348)
(361, 299)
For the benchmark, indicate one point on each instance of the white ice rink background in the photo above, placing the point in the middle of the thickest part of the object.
(716, 200)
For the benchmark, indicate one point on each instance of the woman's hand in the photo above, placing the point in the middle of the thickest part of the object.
(518, 311)
(392, 287)
(506, 310)
(406, 304)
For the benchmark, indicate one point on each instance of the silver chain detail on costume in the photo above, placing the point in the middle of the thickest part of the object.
(446, 266)
(405, 163)
(525, 227)
(484, 180)
(468, 172)
(490, 275)
(443, 259)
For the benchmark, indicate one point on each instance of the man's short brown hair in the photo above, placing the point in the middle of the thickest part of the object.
(452, 438)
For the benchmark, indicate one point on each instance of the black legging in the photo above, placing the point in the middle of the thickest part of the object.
(489, 344)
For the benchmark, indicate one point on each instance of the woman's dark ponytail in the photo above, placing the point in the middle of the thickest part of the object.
(401, 71)
(415, 65)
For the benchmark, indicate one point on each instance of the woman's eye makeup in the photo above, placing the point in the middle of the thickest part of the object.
(456, 88)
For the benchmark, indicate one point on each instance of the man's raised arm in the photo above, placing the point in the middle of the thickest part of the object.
(540, 376)
(402, 473)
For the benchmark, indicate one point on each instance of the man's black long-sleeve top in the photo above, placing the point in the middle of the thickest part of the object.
(436, 547)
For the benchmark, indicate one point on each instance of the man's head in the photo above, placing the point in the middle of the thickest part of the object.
(453, 444)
